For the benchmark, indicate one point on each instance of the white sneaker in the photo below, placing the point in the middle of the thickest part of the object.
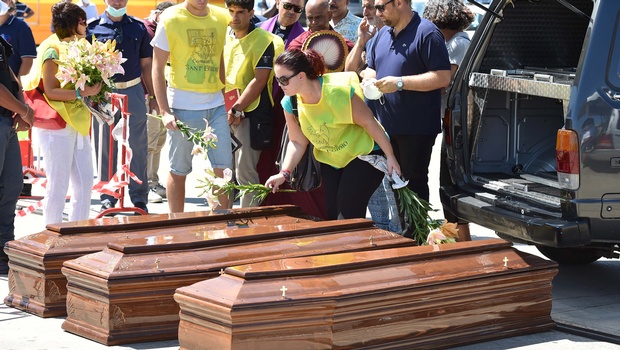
(154, 197)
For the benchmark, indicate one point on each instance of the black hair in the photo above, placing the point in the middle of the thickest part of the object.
(66, 17)
(244, 4)
(448, 14)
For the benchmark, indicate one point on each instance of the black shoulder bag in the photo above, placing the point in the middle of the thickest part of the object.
(307, 174)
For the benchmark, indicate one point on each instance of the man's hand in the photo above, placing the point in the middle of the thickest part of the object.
(169, 121)
(387, 84)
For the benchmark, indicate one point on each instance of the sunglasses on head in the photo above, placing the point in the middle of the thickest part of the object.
(381, 8)
(288, 6)
(283, 81)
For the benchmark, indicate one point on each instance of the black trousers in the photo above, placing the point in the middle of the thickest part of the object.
(347, 190)
(413, 153)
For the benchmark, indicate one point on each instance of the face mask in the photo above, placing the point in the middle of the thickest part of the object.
(116, 13)
(4, 8)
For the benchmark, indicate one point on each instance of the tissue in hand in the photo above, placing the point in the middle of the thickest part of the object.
(370, 90)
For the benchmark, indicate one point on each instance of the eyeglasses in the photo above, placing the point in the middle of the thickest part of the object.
(283, 81)
(119, 34)
(297, 9)
(381, 8)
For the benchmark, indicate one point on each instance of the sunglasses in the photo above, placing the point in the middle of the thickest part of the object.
(283, 81)
(381, 8)
(297, 9)
(119, 34)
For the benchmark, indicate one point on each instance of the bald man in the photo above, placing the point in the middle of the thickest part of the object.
(318, 16)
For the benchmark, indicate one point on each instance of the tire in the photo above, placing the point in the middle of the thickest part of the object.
(572, 256)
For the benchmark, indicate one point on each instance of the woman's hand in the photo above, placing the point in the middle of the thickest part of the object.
(275, 181)
(91, 90)
(393, 166)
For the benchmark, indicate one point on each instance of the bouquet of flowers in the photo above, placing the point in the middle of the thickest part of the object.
(88, 64)
(427, 230)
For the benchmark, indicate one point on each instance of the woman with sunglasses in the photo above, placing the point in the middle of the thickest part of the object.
(66, 152)
(335, 119)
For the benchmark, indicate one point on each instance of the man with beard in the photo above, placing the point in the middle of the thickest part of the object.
(410, 62)
(382, 205)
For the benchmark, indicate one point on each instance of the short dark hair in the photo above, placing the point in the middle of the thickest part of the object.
(448, 14)
(163, 5)
(66, 17)
(244, 4)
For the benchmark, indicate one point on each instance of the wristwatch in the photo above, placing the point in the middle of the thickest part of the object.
(400, 84)
(238, 114)
(77, 94)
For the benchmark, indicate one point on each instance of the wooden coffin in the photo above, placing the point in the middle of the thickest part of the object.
(402, 298)
(125, 293)
(36, 284)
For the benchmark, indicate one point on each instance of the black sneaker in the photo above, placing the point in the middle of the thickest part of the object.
(107, 204)
(4, 267)
(159, 189)
(141, 206)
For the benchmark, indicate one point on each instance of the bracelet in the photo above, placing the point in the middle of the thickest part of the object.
(286, 173)
(28, 109)
(151, 97)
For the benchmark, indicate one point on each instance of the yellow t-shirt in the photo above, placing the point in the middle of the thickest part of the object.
(196, 46)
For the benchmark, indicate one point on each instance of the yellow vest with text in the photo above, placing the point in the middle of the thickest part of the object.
(73, 112)
(196, 45)
(241, 57)
(329, 125)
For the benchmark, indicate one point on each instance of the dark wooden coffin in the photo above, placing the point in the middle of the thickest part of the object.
(36, 284)
(402, 298)
(125, 293)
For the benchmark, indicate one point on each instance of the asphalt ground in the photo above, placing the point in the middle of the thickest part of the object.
(584, 296)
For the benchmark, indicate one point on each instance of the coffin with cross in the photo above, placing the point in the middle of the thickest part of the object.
(426, 297)
(36, 284)
(124, 293)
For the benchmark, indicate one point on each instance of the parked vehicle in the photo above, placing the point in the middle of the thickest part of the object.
(532, 129)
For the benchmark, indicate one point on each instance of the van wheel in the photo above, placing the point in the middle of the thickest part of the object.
(573, 256)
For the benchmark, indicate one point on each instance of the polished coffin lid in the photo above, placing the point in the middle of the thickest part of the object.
(414, 297)
(107, 299)
(36, 284)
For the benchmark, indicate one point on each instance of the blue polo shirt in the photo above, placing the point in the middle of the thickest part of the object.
(419, 48)
(132, 40)
(19, 35)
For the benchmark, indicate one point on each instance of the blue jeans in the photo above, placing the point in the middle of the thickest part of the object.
(180, 154)
(11, 181)
(382, 207)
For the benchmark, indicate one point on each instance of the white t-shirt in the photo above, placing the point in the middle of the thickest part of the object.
(184, 99)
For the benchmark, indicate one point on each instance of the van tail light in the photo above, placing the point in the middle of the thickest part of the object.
(447, 120)
(605, 142)
(567, 159)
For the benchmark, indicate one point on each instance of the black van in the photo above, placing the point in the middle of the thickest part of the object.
(532, 128)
